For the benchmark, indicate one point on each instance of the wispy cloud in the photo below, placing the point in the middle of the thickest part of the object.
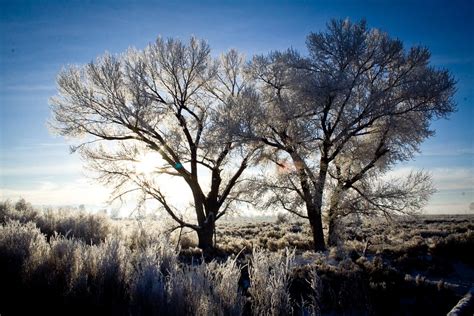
(29, 88)
(80, 191)
(447, 208)
(62, 144)
(84, 190)
(441, 151)
(451, 60)
(44, 169)
(453, 178)
(455, 187)
(31, 146)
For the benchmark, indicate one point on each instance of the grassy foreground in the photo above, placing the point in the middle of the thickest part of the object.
(68, 262)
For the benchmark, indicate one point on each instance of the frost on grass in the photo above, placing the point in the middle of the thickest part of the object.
(91, 228)
(139, 270)
(147, 280)
(269, 282)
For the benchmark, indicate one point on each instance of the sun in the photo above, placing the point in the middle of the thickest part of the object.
(151, 168)
(148, 163)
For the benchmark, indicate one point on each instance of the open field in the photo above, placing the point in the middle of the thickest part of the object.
(73, 263)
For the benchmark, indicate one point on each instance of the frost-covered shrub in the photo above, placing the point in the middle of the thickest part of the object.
(295, 228)
(236, 245)
(456, 246)
(276, 244)
(91, 228)
(149, 291)
(188, 241)
(114, 278)
(22, 211)
(206, 289)
(282, 218)
(149, 284)
(63, 265)
(18, 243)
(225, 279)
(136, 270)
(270, 276)
(162, 285)
(21, 246)
(153, 266)
(316, 284)
(337, 253)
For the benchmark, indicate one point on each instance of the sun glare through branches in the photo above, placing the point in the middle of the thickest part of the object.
(148, 163)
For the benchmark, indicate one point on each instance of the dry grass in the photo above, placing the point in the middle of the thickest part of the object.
(71, 262)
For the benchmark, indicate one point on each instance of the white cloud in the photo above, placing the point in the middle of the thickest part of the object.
(86, 191)
(453, 208)
(454, 178)
(455, 186)
(441, 151)
(51, 169)
(80, 191)
(30, 88)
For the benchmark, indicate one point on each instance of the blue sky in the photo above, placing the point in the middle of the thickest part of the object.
(37, 38)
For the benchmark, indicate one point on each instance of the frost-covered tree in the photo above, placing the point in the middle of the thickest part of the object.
(339, 119)
(166, 99)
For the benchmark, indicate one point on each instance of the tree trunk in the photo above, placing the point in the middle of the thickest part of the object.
(317, 230)
(205, 238)
(313, 203)
(206, 232)
(315, 209)
(206, 220)
(332, 230)
(333, 233)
